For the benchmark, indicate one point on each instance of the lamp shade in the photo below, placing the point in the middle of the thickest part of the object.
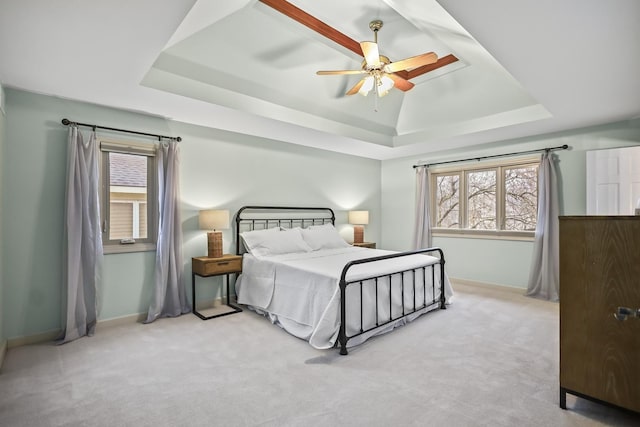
(359, 217)
(213, 219)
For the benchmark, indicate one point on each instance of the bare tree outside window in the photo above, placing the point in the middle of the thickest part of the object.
(448, 197)
(481, 200)
(501, 197)
(521, 198)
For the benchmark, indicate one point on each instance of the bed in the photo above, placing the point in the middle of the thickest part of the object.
(304, 277)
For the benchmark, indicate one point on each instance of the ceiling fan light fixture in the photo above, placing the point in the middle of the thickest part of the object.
(367, 86)
(384, 85)
(381, 71)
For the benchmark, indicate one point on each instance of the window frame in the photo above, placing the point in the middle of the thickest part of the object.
(135, 148)
(462, 172)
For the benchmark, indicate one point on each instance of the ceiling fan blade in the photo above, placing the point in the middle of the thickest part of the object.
(371, 54)
(330, 73)
(445, 60)
(356, 88)
(400, 83)
(314, 24)
(331, 33)
(413, 62)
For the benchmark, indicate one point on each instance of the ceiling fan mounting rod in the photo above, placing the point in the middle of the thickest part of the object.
(375, 25)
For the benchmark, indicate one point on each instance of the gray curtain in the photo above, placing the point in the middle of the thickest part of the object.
(169, 295)
(82, 250)
(544, 277)
(422, 227)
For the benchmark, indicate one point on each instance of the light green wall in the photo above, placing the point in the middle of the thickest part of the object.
(218, 170)
(226, 170)
(2, 139)
(502, 262)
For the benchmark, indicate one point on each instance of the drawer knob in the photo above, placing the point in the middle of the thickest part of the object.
(623, 312)
(223, 263)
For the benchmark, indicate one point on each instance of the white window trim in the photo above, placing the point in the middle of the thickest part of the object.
(463, 169)
(138, 148)
(527, 236)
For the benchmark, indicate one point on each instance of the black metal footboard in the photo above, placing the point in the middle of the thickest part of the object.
(409, 275)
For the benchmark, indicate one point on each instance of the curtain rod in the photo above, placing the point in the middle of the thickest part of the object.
(561, 147)
(68, 122)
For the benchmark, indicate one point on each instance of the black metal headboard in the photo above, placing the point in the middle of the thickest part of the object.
(262, 217)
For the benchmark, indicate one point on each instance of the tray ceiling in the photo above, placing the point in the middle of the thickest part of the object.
(255, 59)
(524, 68)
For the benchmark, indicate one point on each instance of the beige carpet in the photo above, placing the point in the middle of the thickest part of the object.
(491, 359)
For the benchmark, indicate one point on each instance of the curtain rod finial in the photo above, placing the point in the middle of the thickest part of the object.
(178, 139)
(66, 122)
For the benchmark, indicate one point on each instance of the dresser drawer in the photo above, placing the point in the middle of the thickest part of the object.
(204, 266)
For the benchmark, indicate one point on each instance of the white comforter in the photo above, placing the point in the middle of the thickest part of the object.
(301, 292)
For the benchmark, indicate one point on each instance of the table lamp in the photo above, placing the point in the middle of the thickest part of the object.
(358, 219)
(214, 220)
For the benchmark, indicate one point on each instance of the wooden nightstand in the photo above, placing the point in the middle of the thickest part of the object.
(370, 245)
(208, 267)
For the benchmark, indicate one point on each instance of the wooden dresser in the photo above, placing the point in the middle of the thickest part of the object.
(600, 272)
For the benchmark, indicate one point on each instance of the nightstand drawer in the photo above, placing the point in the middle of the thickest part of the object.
(204, 266)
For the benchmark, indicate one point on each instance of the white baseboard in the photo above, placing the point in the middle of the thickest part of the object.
(107, 323)
(52, 335)
(506, 288)
(124, 320)
(33, 339)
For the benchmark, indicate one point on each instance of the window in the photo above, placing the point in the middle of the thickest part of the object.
(128, 189)
(448, 204)
(481, 200)
(498, 199)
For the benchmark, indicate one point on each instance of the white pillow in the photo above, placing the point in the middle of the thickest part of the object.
(276, 243)
(323, 237)
(252, 239)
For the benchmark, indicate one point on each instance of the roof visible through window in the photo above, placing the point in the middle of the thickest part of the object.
(128, 169)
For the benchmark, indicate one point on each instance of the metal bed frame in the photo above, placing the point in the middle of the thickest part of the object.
(343, 338)
(263, 217)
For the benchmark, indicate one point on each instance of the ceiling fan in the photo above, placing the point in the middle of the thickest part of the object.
(380, 71)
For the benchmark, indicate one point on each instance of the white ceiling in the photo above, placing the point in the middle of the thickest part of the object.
(525, 68)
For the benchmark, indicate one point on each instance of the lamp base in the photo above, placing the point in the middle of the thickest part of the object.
(358, 234)
(214, 244)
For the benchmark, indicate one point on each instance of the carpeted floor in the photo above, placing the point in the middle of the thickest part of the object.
(491, 359)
